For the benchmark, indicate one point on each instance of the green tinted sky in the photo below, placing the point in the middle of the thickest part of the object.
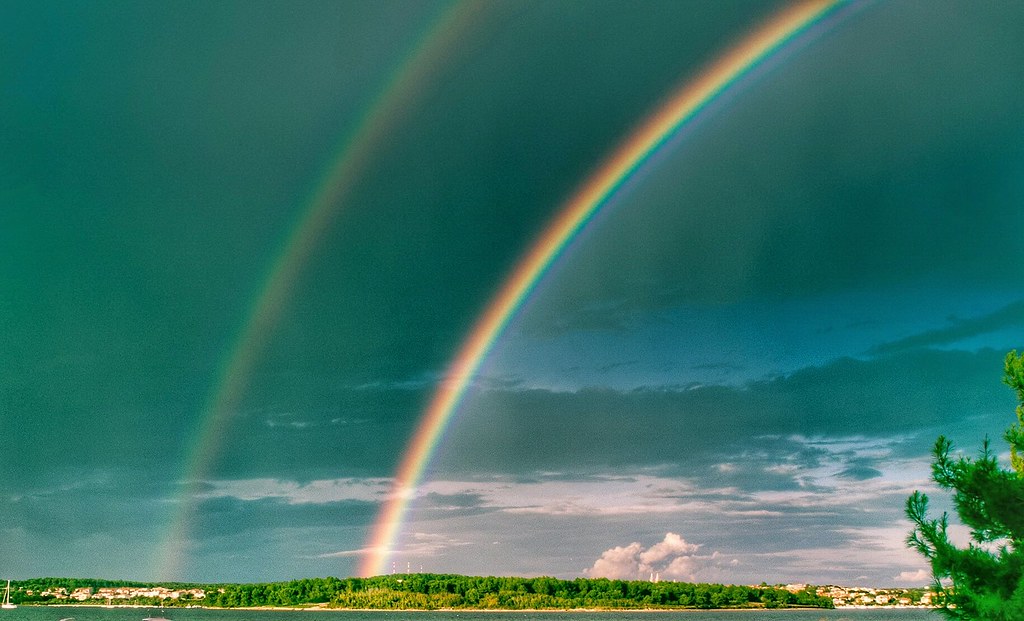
(753, 347)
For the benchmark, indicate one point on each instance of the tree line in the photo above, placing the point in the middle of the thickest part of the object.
(437, 591)
(512, 593)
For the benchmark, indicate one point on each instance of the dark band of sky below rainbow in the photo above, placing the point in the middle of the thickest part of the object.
(597, 191)
(354, 156)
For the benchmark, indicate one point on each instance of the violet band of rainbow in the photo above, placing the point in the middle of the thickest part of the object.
(683, 107)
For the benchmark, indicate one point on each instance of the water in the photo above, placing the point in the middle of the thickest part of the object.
(30, 613)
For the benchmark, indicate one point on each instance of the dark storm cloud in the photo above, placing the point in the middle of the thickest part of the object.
(311, 431)
(860, 473)
(902, 395)
(83, 504)
(84, 522)
(294, 536)
(1010, 316)
(755, 470)
(231, 516)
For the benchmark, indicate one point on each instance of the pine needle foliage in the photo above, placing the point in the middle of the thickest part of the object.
(985, 580)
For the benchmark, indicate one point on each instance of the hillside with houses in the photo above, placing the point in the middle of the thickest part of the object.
(444, 591)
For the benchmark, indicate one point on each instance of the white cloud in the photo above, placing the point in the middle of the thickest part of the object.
(430, 544)
(673, 545)
(347, 553)
(673, 558)
(640, 494)
(618, 563)
(880, 549)
(314, 492)
(421, 545)
(920, 576)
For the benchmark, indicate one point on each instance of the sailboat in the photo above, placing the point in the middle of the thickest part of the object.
(7, 597)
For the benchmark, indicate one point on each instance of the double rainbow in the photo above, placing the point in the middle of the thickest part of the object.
(573, 217)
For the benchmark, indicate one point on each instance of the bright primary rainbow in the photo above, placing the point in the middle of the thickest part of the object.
(351, 161)
(597, 191)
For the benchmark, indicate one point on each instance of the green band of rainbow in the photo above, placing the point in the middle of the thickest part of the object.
(573, 217)
(351, 162)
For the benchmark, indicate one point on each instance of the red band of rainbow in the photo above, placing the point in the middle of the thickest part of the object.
(682, 108)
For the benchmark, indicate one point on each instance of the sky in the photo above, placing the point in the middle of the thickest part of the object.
(242, 243)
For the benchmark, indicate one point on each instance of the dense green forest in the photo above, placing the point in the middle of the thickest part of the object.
(435, 591)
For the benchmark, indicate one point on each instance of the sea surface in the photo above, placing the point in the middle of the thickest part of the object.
(40, 613)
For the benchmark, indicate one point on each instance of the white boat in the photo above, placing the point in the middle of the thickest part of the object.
(7, 597)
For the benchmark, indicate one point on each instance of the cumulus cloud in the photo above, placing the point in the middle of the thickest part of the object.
(672, 546)
(618, 562)
(672, 558)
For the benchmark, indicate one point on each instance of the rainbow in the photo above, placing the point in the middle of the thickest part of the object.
(354, 156)
(572, 218)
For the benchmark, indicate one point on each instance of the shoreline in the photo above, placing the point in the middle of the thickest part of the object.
(323, 608)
